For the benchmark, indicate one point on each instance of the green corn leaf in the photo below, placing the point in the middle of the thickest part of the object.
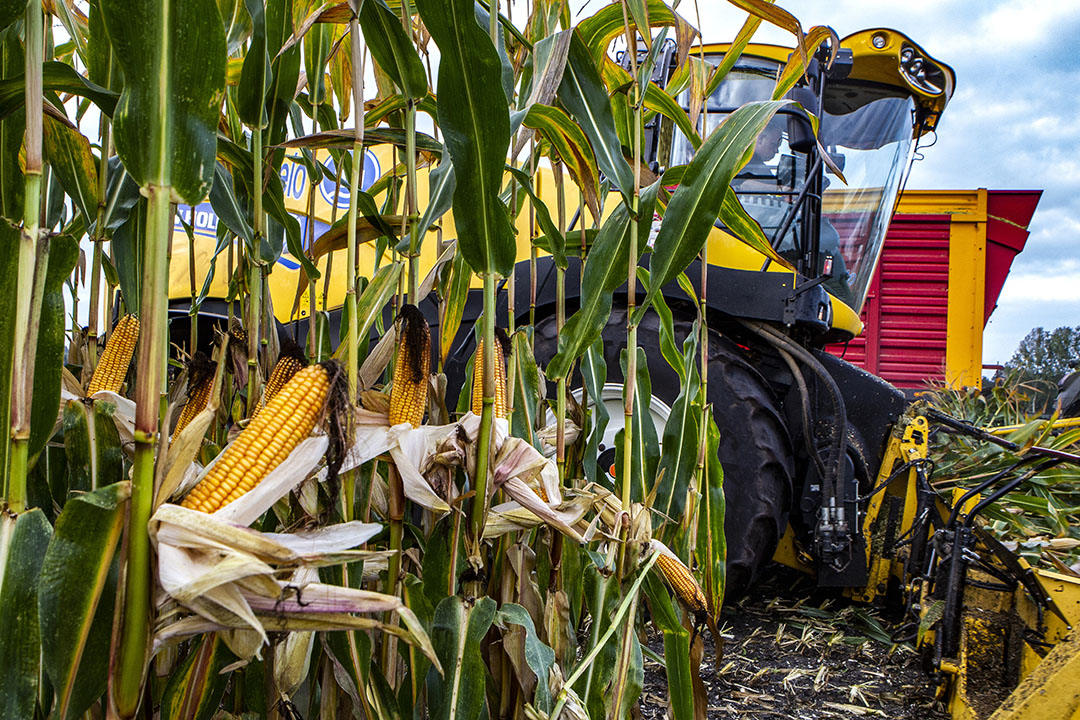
(474, 116)
(697, 202)
(594, 375)
(556, 240)
(242, 166)
(76, 592)
(165, 125)
(227, 207)
(681, 436)
(392, 49)
(457, 633)
(410, 693)
(343, 138)
(646, 446)
(659, 101)
(455, 295)
(285, 67)
(49, 362)
(12, 128)
(602, 600)
(317, 44)
(676, 648)
(195, 688)
(23, 541)
(68, 153)
(711, 549)
(10, 11)
(605, 25)
(668, 347)
(100, 66)
(238, 24)
(441, 184)
(95, 457)
(376, 295)
(584, 95)
(127, 249)
(571, 147)
(526, 388)
(56, 77)
(604, 272)
(256, 75)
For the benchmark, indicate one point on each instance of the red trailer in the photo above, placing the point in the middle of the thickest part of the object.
(945, 260)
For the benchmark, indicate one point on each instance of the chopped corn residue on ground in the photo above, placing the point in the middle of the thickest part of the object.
(790, 651)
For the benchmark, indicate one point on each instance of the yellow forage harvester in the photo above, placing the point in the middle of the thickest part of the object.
(290, 361)
(680, 578)
(268, 439)
(113, 366)
(501, 406)
(408, 395)
(199, 386)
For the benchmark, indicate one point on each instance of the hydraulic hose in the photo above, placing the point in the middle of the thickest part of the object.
(839, 441)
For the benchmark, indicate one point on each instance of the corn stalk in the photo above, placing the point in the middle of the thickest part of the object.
(33, 262)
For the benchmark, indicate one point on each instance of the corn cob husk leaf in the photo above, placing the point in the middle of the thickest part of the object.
(124, 416)
(304, 458)
(228, 574)
(378, 359)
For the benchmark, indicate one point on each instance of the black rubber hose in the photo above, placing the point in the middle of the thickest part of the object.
(781, 341)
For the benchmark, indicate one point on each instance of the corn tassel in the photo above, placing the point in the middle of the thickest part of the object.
(112, 368)
(269, 438)
(478, 380)
(681, 580)
(408, 395)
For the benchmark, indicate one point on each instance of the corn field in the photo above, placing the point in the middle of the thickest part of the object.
(251, 517)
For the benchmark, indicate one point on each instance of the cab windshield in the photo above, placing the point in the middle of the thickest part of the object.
(868, 134)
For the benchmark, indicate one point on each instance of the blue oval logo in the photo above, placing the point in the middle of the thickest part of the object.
(328, 186)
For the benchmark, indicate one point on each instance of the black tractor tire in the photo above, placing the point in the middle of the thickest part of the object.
(755, 447)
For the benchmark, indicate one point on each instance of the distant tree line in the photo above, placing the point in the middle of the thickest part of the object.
(1044, 357)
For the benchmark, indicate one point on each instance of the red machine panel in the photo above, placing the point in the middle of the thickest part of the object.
(906, 310)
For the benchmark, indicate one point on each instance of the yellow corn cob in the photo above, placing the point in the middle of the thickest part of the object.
(268, 439)
(681, 580)
(408, 396)
(197, 402)
(478, 380)
(200, 383)
(113, 366)
(290, 360)
(284, 369)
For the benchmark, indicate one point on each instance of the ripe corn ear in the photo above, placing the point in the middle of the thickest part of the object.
(478, 380)
(290, 362)
(113, 366)
(197, 402)
(268, 439)
(408, 395)
(681, 580)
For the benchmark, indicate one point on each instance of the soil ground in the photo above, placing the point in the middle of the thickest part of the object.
(790, 651)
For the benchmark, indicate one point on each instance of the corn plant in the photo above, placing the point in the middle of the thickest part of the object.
(215, 521)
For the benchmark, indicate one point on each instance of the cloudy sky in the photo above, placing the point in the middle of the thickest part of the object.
(1012, 124)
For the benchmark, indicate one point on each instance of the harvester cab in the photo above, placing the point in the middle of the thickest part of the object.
(825, 206)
